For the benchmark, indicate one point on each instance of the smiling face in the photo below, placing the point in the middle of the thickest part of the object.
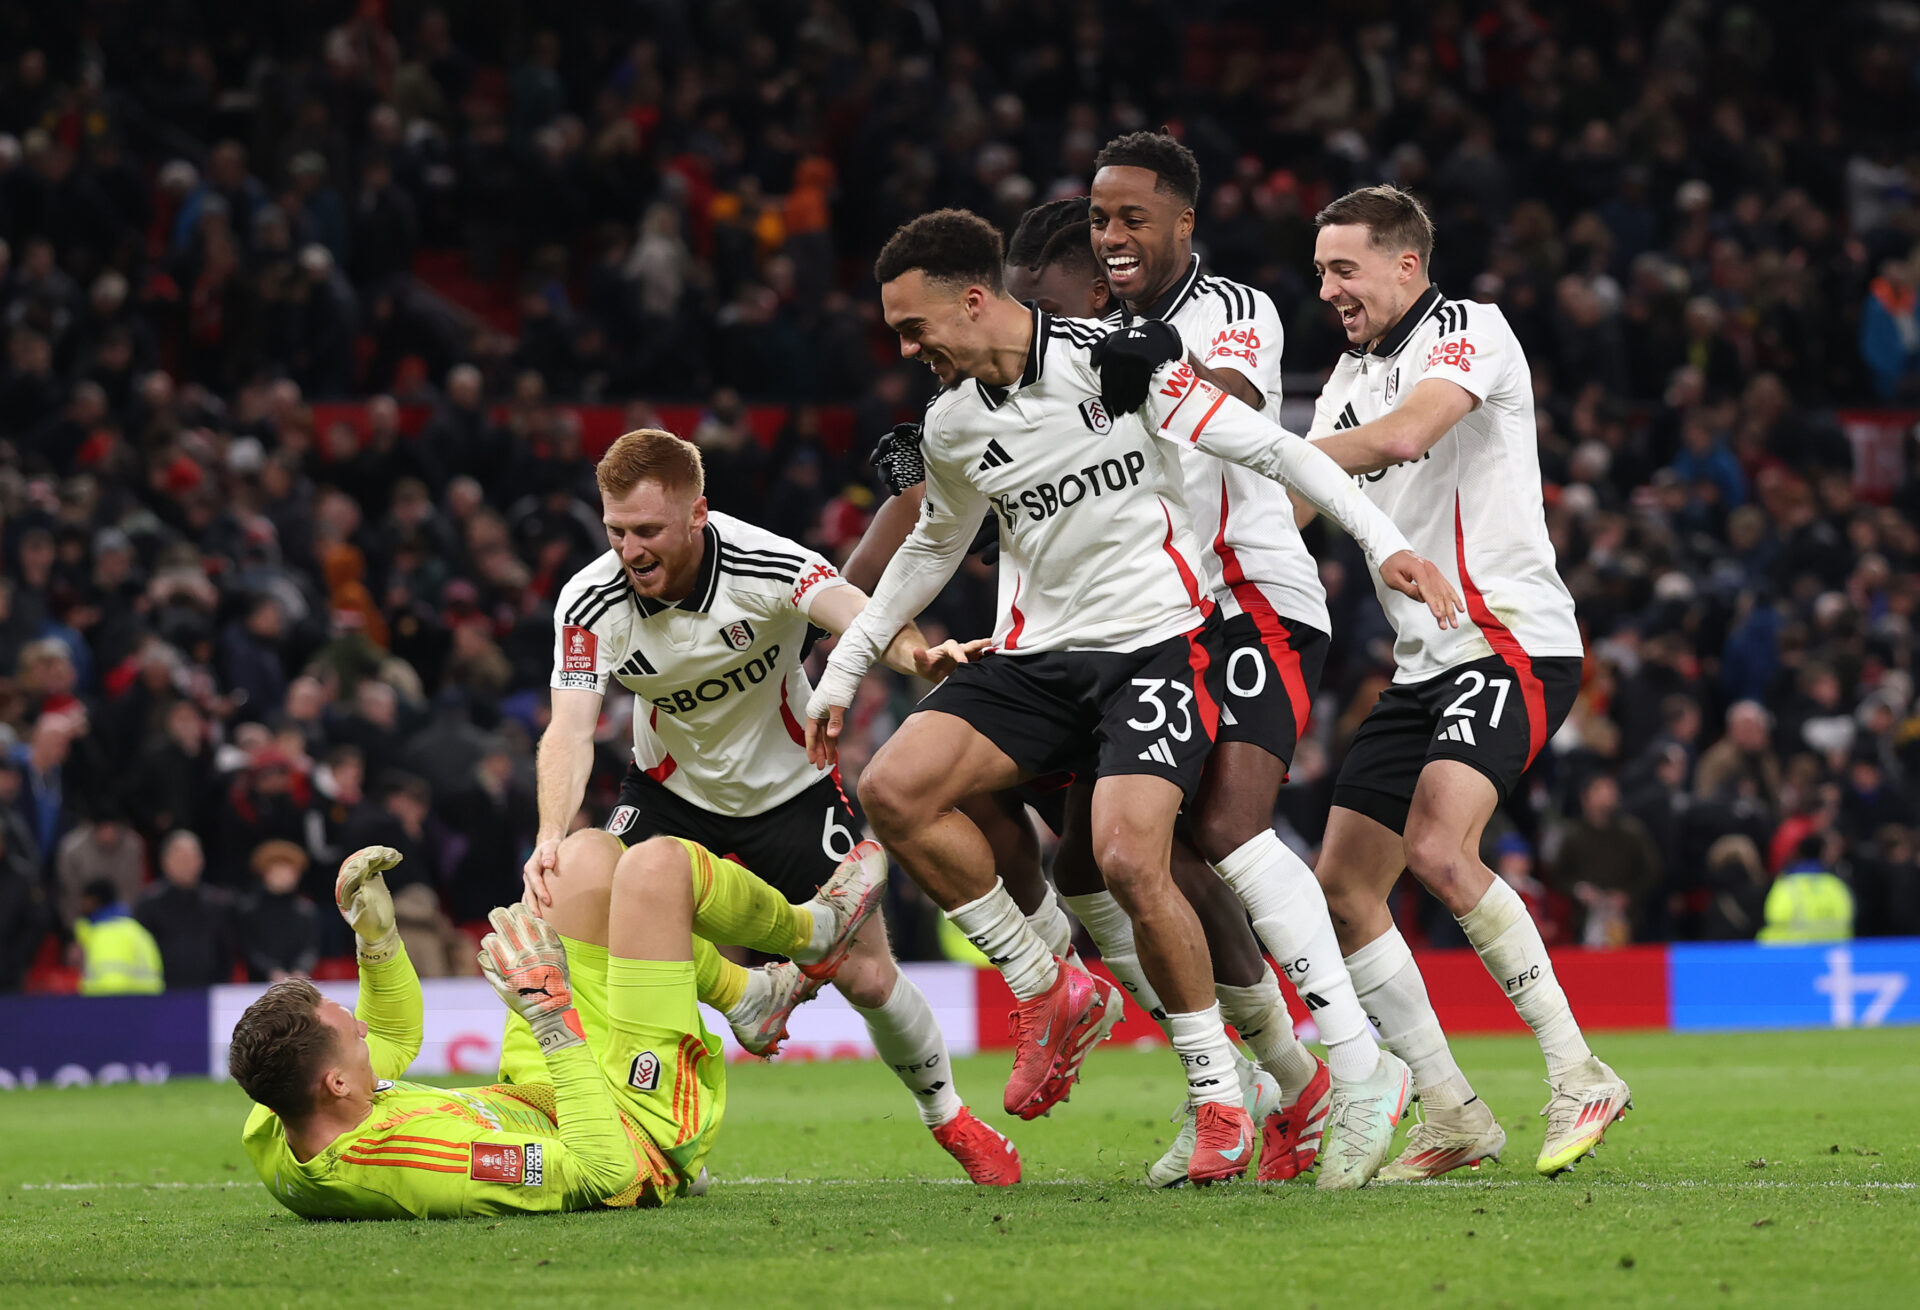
(1369, 287)
(1142, 235)
(939, 324)
(656, 530)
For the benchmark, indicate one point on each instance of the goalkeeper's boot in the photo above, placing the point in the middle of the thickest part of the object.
(1290, 1136)
(1360, 1124)
(1584, 1105)
(846, 900)
(1222, 1143)
(982, 1150)
(1259, 1093)
(1457, 1137)
(759, 1021)
(1052, 1034)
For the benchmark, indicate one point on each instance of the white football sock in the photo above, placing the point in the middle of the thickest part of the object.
(995, 925)
(1200, 1040)
(1112, 932)
(754, 997)
(906, 1036)
(1509, 944)
(1289, 913)
(1259, 1014)
(1051, 924)
(1390, 988)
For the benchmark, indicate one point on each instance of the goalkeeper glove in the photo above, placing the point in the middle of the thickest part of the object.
(366, 904)
(525, 961)
(898, 458)
(1126, 360)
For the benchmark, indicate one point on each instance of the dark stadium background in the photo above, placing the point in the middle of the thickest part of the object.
(316, 314)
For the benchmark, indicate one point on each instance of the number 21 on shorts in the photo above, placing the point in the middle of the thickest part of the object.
(1458, 717)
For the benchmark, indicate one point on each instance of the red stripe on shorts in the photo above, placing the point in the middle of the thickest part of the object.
(1504, 644)
(1266, 621)
(1198, 661)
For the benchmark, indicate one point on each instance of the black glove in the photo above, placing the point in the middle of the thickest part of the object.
(1126, 360)
(898, 457)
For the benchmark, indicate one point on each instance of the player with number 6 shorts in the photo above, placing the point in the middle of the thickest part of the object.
(1432, 412)
(702, 617)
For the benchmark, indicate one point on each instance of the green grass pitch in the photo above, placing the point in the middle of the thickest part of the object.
(1756, 1170)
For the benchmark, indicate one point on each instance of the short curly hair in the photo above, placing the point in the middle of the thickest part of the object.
(1175, 169)
(954, 246)
(280, 1047)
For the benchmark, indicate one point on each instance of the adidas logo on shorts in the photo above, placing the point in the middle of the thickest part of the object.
(1459, 730)
(1160, 753)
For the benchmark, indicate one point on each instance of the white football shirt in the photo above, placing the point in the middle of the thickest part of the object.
(718, 674)
(1096, 551)
(1472, 503)
(1257, 561)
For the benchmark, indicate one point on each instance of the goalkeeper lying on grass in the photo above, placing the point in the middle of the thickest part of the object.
(612, 1087)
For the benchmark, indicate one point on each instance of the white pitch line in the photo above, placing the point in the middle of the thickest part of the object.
(1461, 1184)
(95, 1187)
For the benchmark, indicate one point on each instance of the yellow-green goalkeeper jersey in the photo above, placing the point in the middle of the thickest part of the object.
(431, 1152)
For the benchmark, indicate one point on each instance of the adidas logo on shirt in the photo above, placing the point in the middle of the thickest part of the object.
(1160, 753)
(995, 456)
(1461, 731)
(1347, 419)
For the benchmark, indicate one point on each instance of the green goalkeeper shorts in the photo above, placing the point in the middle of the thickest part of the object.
(668, 1074)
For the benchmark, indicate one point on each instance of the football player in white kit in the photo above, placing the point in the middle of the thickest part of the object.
(1432, 411)
(1105, 641)
(703, 616)
(1268, 589)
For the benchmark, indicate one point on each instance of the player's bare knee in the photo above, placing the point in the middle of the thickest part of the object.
(1438, 862)
(1131, 875)
(890, 803)
(589, 855)
(656, 863)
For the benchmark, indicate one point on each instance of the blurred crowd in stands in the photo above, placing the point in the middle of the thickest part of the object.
(246, 627)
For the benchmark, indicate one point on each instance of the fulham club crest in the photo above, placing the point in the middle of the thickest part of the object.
(1393, 385)
(1094, 415)
(738, 634)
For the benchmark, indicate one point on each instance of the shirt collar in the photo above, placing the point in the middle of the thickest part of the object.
(1036, 361)
(1178, 293)
(1395, 337)
(700, 599)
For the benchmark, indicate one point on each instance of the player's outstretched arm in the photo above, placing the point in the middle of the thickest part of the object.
(907, 652)
(526, 962)
(1186, 410)
(913, 577)
(564, 763)
(390, 1002)
(1403, 433)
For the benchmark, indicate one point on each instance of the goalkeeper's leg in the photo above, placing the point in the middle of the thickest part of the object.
(730, 904)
